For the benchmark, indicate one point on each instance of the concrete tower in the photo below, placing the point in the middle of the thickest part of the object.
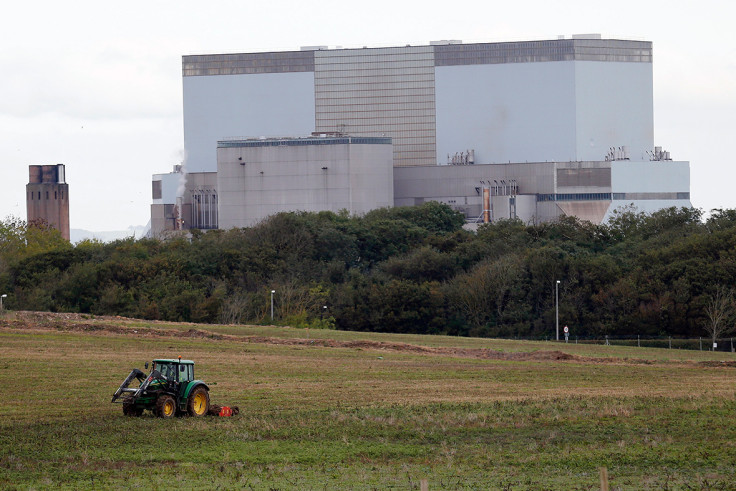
(47, 196)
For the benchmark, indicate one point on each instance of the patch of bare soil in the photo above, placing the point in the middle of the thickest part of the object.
(717, 364)
(114, 325)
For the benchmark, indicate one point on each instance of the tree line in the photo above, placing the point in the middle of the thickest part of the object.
(409, 270)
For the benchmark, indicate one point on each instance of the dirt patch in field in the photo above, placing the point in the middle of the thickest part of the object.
(723, 364)
(115, 325)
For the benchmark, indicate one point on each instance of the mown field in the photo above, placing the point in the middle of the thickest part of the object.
(342, 410)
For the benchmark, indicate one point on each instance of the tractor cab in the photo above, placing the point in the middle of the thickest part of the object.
(175, 370)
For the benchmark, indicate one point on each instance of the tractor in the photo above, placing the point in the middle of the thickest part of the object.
(169, 390)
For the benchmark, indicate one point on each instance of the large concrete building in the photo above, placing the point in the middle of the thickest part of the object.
(568, 121)
(536, 101)
(47, 197)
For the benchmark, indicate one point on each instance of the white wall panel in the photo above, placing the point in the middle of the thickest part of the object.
(614, 107)
(514, 112)
(218, 107)
(665, 176)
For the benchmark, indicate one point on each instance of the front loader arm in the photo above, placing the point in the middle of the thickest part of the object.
(155, 375)
(124, 386)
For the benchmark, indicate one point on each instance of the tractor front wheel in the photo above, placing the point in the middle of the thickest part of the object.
(199, 402)
(165, 406)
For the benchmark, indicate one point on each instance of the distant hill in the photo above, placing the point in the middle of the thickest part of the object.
(77, 235)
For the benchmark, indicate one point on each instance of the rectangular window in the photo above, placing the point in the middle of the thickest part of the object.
(156, 191)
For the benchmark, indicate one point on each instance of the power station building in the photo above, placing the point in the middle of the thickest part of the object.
(47, 197)
(543, 128)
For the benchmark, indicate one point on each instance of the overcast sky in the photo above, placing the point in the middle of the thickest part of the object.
(97, 85)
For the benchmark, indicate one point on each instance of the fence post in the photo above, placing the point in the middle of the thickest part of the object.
(701, 343)
(638, 342)
(604, 479)
(670, 339)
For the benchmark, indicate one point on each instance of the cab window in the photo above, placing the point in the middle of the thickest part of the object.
(186, 373)
(167, 370)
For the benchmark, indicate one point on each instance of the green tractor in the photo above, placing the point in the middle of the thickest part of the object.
(169, 390)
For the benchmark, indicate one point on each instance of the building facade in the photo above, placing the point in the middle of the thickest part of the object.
(536, 101)
(47, 197)
(531, 130)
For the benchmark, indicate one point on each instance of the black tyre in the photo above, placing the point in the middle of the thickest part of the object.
(199, 402)
(165, 406)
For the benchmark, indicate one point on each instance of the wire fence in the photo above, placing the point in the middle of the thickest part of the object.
(666, 342)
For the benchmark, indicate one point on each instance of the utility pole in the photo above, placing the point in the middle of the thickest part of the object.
(557, 309)
(272, 292)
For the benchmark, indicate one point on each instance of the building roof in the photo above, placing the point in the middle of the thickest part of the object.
(312, 140)
(450, 54)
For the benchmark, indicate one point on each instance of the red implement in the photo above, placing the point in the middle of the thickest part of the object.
(216, 410)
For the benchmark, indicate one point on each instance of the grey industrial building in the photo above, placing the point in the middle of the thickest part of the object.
(541, 128)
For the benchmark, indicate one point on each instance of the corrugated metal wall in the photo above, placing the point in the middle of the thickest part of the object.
(380, 92)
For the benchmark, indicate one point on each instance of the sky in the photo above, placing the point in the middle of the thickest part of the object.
(97, 86)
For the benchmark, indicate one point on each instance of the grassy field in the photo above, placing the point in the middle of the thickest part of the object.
(340, 410)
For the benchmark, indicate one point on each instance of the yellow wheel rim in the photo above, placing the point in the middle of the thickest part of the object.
(200, 403)
(168, 408)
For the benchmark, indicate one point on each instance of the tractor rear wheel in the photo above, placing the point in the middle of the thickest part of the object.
(129, 409)
(199, 402)
(165, 406)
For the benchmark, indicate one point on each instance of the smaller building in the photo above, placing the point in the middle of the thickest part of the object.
(257, 178)
(47, 197)
(543, 191)
(183, 201)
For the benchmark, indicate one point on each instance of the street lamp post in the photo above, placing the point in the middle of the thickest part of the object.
(322, 314)
(1, 301)
(557, 308)
(272, 292)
